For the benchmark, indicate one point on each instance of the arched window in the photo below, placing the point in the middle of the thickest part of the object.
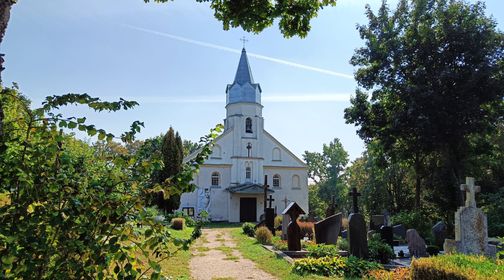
(295, 182)
(248, 172)
(276, 180)
(215, 179)
(248, 125)
(276, 154)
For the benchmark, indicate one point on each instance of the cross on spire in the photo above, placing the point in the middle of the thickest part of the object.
(244, 40)
(471, 191)
(354, 194)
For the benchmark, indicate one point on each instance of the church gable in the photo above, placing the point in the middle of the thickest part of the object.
(277, 154)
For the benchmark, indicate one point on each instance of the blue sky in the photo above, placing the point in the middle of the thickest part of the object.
(175, 60)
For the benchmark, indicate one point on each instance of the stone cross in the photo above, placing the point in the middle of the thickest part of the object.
(265, 186)
(285, 201)
(471, 191)
(354, 194)
(270, 199)
(249, 147)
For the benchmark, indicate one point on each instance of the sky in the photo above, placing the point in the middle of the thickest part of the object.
(175, 59)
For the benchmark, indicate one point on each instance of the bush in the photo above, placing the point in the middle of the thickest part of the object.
(342, 244)
(178, 223)
(337, 266)
(433, 250)
(263, 235)
(380, 251)
(306, 229)
(402, 273)
(189, 221)
(414, 219)
(493, 207)
(322, 250)
(248, 229)
(278, 221)
(280, 244)
(456, 267)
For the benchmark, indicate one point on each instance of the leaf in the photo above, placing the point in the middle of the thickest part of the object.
(155, 266)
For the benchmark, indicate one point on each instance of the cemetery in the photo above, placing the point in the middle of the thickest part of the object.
(387, 161)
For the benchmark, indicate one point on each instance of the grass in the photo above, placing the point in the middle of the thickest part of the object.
(266, 260)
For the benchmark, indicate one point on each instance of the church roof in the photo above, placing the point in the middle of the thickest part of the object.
(243, 88)
(248, 188)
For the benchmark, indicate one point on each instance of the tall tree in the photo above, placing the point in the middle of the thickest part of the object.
(435, 72)
(172, 152)
(326, 170)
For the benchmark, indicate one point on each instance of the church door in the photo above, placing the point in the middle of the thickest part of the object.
(248, 209)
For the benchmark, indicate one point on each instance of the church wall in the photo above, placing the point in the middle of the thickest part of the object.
(299, 194)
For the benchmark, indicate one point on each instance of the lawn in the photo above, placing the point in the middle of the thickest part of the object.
(265, 260)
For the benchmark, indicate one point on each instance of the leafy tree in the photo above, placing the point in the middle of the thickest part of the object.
(69, 210)
(190, 147)
(326, 170)
(435, 72)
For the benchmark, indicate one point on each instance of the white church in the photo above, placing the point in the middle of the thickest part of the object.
(230, 182)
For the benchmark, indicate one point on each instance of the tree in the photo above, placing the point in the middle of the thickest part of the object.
(190, 147)
(172, 154)
(326, 170)
(435, 72)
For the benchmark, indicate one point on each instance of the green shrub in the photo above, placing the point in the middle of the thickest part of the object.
(493, 207)
(322, 250)
(380, 251)
(278, 221)
(403, 273)
(263, 235)
(248, 229)
(279, 244)
(342, 244)
(447, 267)
(178, 223)
(189, 221)
(414, 219)
(433, 250)
(336, 266)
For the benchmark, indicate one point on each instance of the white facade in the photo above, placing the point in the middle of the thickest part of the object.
(230, 181)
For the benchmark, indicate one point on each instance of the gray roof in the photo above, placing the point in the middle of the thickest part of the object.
(243, 88)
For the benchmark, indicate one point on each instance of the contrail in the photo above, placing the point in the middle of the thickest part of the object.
(258, 56)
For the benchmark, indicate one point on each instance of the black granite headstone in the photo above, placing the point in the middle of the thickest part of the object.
(439, 232)
(400, 231)
(344, 233)
(327, 230)
(387, 235)
(357, 236)
(270, 220)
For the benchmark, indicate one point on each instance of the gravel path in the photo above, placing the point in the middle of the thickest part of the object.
(215, 257)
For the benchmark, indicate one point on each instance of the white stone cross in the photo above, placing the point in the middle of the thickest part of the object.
(471, 191)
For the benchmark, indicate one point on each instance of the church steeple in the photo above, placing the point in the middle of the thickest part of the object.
(243, 88)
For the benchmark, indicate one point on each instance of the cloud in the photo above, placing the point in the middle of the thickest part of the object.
(258, 56)
(275, 98)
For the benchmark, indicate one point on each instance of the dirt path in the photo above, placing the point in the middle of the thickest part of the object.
(215, 257)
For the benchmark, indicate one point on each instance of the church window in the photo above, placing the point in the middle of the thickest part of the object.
(295, 182)
(276, 180)
(215, 179)
(248, 125)
(276, 154)
(248, 172)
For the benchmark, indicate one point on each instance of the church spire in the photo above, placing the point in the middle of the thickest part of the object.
(243, 88)
(243, 73)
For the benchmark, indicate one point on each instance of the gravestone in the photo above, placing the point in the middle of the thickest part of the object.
(357, 230)
(327, 230)
(400, 231)
(344, 234)
(376, 222)
(387, 235)
(293, 230)
(439, 232)
(471, 232)
(416, 244)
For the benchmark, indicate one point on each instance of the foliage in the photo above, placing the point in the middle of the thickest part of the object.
(326, 170)
(178, 223)
(263, 235)
(493, 207)
(402, 273)
(334, 266)
(322, 250)
(434, 71)
(343, 244)
(73, 211)
(433, 250)
(279, 244)
(316, 205)
(256, 15)
(248, 229)
(278, 221)
(380, 251)
(418, 220)
(189, 221)
(456, 267)
(306, 229)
